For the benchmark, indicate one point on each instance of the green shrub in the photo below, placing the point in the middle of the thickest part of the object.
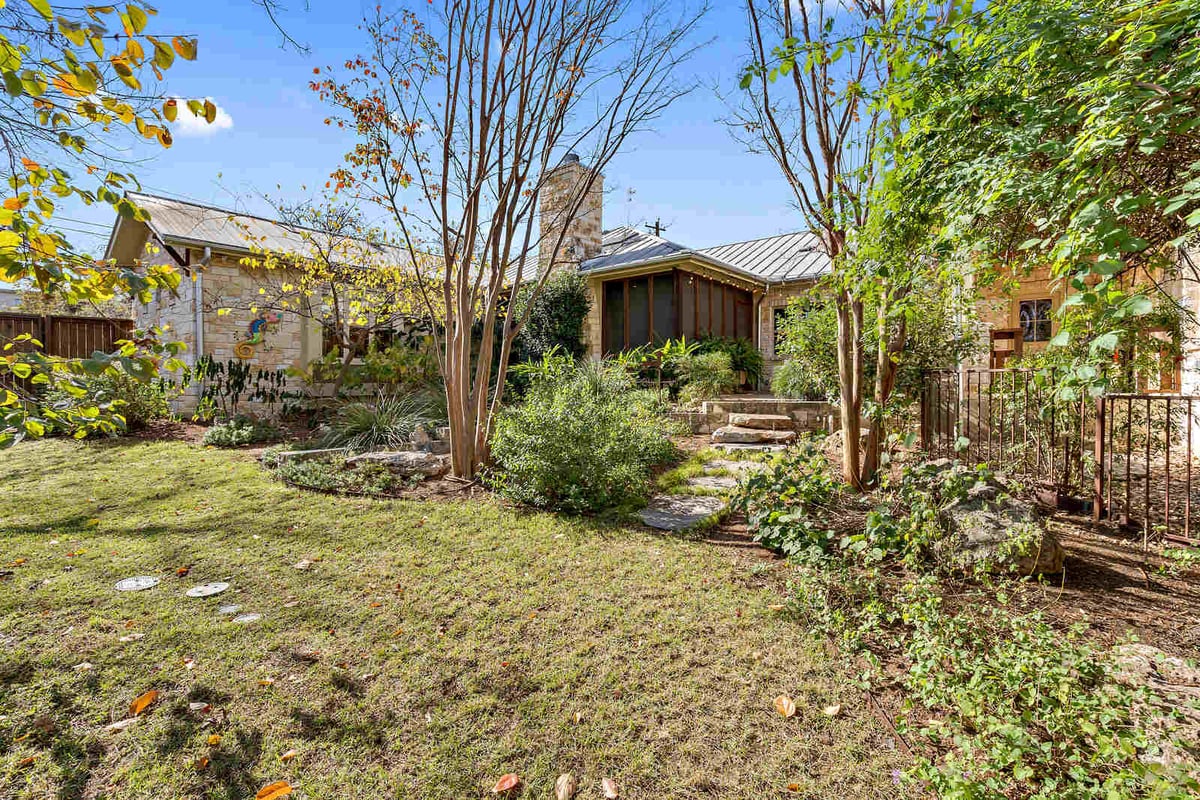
(556, 317)
(331, 475)
(743, 355)
(705, 376)
(583, 440)
(796, 379)
(386, 424)
(137, 402)
(239, 432)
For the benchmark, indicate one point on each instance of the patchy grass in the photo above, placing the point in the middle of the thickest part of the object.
(431, 648)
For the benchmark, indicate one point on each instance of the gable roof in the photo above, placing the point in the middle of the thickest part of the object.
(773, 259)
(776, 259)
(187, 224)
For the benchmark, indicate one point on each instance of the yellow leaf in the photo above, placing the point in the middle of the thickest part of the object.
(289, 755)
(214, 739)
(185, 47)
(785, 706)
(202, 763)
(273, 791)
(142, 703)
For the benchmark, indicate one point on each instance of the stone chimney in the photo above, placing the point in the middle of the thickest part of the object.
(560, 191)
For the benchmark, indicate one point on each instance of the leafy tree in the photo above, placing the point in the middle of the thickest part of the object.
(74, 96)
(1059, 133)
(811, 101)
(461, 109)
(338, 272)
(556, 315)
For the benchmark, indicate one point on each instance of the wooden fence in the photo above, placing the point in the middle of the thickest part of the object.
(65, 336)
(1124, 458)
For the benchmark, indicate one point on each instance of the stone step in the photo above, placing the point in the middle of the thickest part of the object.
(766, 422)
(733, 434)
(678, 512)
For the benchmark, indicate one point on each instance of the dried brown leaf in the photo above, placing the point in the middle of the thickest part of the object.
(785, 706)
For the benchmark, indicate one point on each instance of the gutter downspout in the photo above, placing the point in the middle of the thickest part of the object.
(197, 305)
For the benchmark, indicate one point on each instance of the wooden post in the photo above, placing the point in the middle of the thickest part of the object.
(1098, 451)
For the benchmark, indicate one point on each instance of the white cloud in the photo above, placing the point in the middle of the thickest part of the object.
(188, 124)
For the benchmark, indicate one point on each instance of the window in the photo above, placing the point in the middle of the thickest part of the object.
(778, 319)
(1034, 318)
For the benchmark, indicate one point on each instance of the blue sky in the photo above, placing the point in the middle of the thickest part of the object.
(271, 138)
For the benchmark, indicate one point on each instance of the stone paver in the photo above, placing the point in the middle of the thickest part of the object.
(713, 482)
(736, 466)
(678, 512)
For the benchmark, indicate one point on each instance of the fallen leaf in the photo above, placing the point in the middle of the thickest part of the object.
(131, 637)
(189, 663)
(202, 708)
(289, 755)
(21, 738)
(303, 563)
(273, 791)
(201, 763)
(120, 725)
(214, 739)
(18, 562)
(777, 607)
(793, 787)
(376, 605)
(610, 789)
(785, 706)
(183, 571)
(25, 762)
(833, 710)
(142, 703)
(578, 717)
(565, 787)
(507, 783)
(266, 681)
(82, 666)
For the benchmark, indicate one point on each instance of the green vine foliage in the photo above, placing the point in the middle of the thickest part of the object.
(1001, 703)
(556, 317)
(1055, 133)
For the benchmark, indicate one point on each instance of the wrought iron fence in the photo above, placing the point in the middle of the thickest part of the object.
(1124, 458)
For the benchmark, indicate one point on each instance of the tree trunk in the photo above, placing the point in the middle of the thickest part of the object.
(849, 383)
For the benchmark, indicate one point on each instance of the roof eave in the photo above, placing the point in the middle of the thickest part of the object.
(681, 256)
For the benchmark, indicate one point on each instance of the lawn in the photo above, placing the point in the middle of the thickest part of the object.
(428, 649)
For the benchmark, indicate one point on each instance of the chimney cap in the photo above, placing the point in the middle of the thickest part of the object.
(571, 158)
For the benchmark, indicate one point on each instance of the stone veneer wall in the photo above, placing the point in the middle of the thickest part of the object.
(777, 296)
(294, 341)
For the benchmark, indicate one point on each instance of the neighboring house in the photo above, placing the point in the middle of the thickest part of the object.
(646, 288)
(10, 298)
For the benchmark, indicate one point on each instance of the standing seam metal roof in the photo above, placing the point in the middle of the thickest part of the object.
(773, 259)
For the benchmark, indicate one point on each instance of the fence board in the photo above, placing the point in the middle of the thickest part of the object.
(66, 336)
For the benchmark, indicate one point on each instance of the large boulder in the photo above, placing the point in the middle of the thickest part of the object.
(406, 463)
(766, 422)
(990, 529)
(733, 434)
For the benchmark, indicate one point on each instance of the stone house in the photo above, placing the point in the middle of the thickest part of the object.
(214, 311)
(646, 288)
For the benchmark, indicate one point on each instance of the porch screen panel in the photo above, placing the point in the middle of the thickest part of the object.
(718, 310)
(731, 297)
(744, 318)
(687, 305)
(639, 312)
(614, 316)
(664, 307)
